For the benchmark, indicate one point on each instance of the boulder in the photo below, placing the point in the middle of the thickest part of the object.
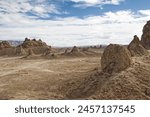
(115, 58)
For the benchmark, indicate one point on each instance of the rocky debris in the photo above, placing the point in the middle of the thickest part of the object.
(20, 51)
(74, 49)
(28, 43)
(4, 44)
(136, 48)
(145, 39)
(115, 58)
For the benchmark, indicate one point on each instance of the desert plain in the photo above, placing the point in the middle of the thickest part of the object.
(35, 70)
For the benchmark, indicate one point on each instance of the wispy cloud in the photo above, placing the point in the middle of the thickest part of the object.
(111, 27)
(26, 18)
(145, 12)
(89, 3)
(39, 8)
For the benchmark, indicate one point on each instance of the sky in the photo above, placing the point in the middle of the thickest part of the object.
(73, 22)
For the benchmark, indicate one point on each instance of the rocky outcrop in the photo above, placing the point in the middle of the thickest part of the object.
(28, 43)
(136, 48)
(66, 50)
(20, 51)
(75, 49)
(48, 51)
(145, 39)
(30, 52)
(5, 44)
(115, 58)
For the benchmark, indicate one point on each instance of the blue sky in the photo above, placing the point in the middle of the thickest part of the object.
(73, 22)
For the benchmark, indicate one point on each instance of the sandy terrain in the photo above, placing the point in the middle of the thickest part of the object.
(40, 78)
(72, 78)
(132, 83)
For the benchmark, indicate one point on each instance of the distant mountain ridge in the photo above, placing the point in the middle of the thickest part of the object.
(13, 42)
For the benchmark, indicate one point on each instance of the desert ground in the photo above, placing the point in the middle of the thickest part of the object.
(72, 78)
(35, 70)
(40, 78)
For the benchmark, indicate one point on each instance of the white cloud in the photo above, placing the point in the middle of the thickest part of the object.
(111, 27)
(119, 16)
(43, 11)
(144, 12)
(88, 3)
(40, 8)
(98, 1)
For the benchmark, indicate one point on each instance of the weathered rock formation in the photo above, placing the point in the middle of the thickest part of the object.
(20, 51)
(75, 49)
(48, 51)
(115, 58)
(66, 50)
(5, 44)
(37, 46)
(33, 43)
(145, 39)
(136, 48)
(30, 52)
